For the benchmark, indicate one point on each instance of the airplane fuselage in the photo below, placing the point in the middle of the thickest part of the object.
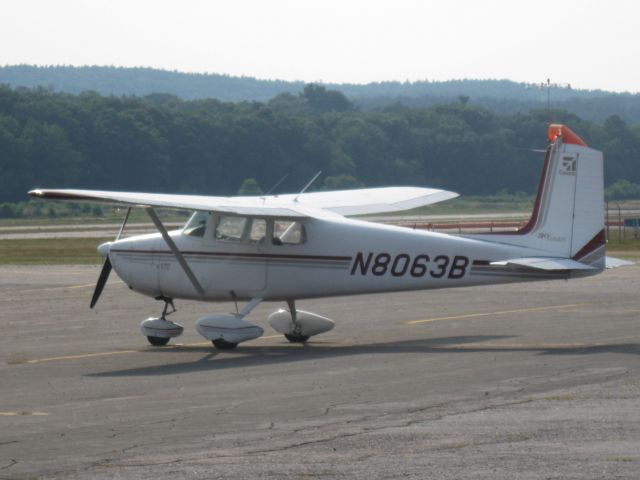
(337, 257)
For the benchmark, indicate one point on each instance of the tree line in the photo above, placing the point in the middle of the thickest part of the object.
(160, 143)
(502, 96)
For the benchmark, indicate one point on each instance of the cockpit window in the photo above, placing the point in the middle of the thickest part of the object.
(286, 232)
(197, 224)
(234, 228)
(231, 227)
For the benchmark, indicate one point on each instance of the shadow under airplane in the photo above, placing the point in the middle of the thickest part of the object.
(253, 355)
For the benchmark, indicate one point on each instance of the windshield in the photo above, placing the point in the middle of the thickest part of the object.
(197, 224)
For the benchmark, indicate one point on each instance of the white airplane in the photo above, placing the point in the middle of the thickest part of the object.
(291, 247)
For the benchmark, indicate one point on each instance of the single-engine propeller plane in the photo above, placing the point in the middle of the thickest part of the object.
(299, 246)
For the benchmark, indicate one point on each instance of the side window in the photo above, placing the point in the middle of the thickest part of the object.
(286, 232)
(258, 230)
(197, 224)
(230, 227)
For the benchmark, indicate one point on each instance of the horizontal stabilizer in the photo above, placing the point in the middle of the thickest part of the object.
(612, 262)
(547, 264)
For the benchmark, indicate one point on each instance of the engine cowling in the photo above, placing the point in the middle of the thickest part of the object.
(230, 328)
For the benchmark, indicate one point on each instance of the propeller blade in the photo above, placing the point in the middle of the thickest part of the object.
(102, 280)
(106, 268)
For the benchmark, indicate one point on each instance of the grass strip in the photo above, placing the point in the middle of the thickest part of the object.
(70, 251)
(51, 251)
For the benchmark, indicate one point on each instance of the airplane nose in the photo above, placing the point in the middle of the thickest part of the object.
(104, 249)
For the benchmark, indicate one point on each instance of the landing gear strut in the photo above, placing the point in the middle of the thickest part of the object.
(160, 330)
(295, 336)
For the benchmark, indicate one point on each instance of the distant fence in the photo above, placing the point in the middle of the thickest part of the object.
(621, 227)
(622, 222)
(465, 227)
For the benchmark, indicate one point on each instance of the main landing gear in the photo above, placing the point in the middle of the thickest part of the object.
(295, 329)
(227, 331)
(298, 326)
(160, 330)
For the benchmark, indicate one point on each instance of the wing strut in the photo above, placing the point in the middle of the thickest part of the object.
(174, 249)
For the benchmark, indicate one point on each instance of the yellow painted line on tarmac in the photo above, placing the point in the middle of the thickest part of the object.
(80, 356)
(122, 352)
(84, 285)
(269, 336)
(498, 312)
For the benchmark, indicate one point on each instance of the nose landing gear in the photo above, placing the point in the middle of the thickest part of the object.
(160, 330)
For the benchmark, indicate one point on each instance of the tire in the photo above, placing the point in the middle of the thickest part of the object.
(158, 341)
(296, 338)
(223, 344)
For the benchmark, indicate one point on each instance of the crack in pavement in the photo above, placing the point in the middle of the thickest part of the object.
(9, 465)
(374, 429)
(408, 423)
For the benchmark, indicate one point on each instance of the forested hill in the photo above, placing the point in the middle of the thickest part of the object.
(502, 96)
(160, 143)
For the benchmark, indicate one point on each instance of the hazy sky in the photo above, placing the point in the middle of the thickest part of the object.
(590, 44)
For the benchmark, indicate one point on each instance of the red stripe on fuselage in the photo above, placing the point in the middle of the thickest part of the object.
(240, 255)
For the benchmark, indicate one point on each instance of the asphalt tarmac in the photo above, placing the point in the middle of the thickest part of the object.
(525, 381)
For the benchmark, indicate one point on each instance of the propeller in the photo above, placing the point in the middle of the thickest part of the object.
(102, 280)
(106, 268)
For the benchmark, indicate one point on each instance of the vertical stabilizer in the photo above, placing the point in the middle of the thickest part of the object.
(568, 215)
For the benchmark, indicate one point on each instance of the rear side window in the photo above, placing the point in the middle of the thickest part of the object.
(286, 232)
(258, 230)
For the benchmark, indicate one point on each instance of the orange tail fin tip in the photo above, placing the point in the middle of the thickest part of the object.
(568, 136)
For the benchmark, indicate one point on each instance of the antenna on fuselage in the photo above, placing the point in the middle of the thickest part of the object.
(308, 185)
(277, 184)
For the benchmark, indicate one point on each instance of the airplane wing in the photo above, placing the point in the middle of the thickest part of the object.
(549, 264)
(344, 202)
(238, 205)
(372, 200)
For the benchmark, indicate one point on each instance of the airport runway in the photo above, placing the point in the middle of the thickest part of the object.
(529, 381)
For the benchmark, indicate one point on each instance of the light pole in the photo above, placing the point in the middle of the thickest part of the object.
(548, 85)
